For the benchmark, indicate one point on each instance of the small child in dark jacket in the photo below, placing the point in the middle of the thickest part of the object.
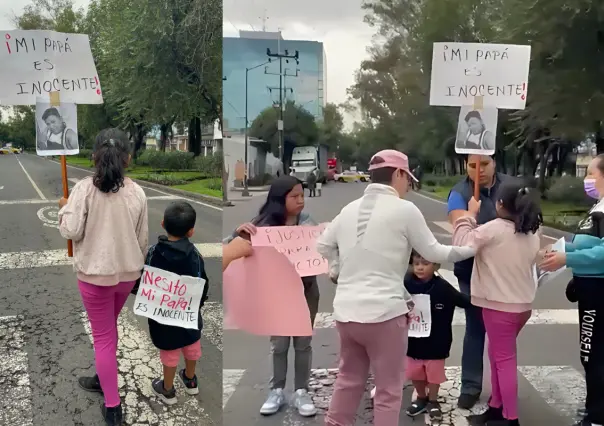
(426, 355)
(175, 253)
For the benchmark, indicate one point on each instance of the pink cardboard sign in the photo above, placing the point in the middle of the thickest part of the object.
(264, 295)
(298, 244)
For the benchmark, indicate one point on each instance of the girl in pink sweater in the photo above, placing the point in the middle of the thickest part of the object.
(504, 285)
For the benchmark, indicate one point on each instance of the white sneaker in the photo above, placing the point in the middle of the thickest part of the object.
(372, 393)
(274, 402)
(303, 402)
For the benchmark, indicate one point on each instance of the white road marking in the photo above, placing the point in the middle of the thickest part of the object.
(444, 225)
(230, 381)
(45, 258)
(32, 181)
(562, 387)
(56, 201)
(49, 216)
(73, 180)
(15, 407)
(1, 187)
(139, 364)
(153, 189)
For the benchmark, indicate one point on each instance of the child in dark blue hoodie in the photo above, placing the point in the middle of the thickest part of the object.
(175, 253)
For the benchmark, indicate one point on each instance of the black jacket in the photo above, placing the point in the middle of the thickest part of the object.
(182, 258)
(443, 300)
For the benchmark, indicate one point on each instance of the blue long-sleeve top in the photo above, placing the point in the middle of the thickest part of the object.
(585, 255)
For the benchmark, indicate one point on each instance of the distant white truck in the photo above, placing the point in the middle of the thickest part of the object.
(305, 159)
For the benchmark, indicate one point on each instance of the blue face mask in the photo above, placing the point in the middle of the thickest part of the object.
(590, 188)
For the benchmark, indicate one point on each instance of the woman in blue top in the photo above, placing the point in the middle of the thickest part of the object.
(284, 207)
(585, 256)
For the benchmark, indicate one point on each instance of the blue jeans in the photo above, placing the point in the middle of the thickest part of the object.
(473, 348)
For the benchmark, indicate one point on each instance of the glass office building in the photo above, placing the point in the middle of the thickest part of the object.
(307, 88)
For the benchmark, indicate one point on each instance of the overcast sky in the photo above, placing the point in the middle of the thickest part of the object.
(337, 23)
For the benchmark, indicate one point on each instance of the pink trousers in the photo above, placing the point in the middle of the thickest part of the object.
(502, 330)
(103, 306)
(381, 346)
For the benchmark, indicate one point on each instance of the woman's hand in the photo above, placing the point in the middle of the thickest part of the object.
(247, 228)
(553, 261)
(62, 202)
(474, 206)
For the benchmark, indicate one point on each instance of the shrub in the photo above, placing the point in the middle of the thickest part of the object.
(213, 183)
(173, 160)
(161, 179)
(210, 166)
(85, 153)
(568, 190)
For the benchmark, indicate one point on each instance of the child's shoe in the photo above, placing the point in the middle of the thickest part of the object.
(166, 396)
(489, 415)
(434, 411)
(274, 402)
(304, 403)
(90, 384)
(191, 387)
(113, 416)
(417, 407)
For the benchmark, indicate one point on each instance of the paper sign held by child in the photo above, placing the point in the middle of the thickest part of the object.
(168, 298)
(298, 244)
(420, 324)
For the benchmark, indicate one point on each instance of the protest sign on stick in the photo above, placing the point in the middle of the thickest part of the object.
(463, 71)
(56, 127)
(168, 298)
(297, 243)
(34, 63)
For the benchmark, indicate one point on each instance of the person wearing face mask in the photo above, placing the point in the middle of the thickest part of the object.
(585, 256)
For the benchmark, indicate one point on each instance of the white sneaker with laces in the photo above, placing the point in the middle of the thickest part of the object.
(274, 402)
(303, 402)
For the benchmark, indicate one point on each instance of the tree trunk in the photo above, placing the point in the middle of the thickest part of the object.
(139, 136)
(163, 138)
(545, 154)
(195, 136)
(599, 138)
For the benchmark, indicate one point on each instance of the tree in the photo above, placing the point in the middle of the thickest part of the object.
(331, 127)
(299, 127)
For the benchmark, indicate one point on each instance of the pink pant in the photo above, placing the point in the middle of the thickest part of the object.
(171, 358)
(103, 305)
(381, 346)
(502, 330)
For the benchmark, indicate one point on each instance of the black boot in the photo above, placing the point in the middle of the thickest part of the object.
(489, 415)
(90, 384)
(113, 415)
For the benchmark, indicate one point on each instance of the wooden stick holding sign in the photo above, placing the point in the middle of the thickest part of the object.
(478, 105)
(55, 101)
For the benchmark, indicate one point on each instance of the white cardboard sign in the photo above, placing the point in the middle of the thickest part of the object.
(168, 298)
(420, 317)
(56, 129)
(463, 71)
(34, 63)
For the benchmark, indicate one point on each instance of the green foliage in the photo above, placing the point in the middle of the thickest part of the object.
(173, 160)
(568, 190)
(299, 126)
(210, 165)
(85, 153)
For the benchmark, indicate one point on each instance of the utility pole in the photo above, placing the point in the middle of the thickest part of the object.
(287, 57)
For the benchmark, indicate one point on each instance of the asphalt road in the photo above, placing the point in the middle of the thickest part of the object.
(550, 379)
(45, 341)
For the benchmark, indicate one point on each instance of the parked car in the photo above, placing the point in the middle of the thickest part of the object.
(347, 176)
(10, 150)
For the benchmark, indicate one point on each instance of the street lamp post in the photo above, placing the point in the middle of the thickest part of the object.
(246, 191)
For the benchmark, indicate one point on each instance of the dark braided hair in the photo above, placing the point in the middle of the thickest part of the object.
(111, 156)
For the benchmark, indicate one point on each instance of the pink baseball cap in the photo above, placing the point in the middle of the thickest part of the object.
(391, 158)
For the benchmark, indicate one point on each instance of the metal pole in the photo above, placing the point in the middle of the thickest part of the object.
(246, 192)
(281, 112)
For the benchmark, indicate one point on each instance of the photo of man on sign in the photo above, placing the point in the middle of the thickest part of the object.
(476, 131)
(56, 129)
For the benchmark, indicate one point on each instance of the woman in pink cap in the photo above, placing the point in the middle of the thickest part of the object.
(368, 247)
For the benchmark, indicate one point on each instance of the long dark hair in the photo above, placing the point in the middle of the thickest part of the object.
(522, 204)
(273, 212)
(111, 155)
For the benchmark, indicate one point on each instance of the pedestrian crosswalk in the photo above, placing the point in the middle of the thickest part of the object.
(553, 382)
